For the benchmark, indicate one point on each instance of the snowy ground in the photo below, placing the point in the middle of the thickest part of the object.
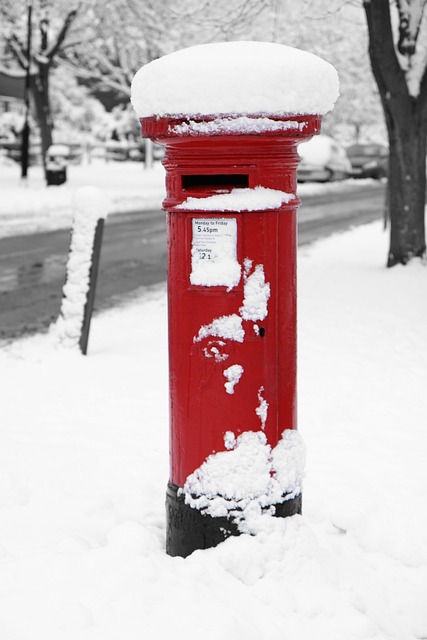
(129, 187)
(34, 207)
(84, 466)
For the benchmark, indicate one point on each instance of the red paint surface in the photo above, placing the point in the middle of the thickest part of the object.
(200, 409)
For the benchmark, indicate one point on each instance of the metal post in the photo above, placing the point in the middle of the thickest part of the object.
(26, 129)
(93, 276)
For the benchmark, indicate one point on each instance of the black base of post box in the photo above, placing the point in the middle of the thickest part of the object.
(187, 529)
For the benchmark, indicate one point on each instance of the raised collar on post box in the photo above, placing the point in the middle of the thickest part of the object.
(206, 155)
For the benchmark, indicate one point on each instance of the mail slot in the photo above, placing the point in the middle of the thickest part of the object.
(214, 182)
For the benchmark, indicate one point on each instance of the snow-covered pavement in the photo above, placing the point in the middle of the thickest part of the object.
(84, 466)
(33, 207)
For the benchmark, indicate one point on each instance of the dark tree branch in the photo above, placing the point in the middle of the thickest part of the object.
(71, 16)
(18, 50)
(104, 79)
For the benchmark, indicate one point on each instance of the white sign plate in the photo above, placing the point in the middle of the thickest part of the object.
(214, 252)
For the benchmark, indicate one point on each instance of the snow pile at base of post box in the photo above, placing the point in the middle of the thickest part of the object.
(241, 78)
(246, 481)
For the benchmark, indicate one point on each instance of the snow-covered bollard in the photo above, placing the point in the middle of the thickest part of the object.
(230, 116)
(90, 208)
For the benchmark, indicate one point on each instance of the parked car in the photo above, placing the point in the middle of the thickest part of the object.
(368, 160)
(323, 159)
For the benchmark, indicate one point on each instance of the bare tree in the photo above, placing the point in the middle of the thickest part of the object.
(47, 46)
(399, 64)
(336, 31)
(105, 46)
(134, 32)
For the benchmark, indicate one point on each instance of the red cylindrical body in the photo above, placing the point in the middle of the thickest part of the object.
(201, 410)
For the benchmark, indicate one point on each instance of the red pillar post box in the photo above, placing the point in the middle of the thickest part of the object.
(231, 207)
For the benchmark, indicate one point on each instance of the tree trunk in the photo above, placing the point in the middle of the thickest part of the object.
(406, 119)
(40, 90)
(407, 186)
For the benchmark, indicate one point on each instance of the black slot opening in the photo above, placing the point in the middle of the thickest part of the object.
(261, 332)
(214, 182)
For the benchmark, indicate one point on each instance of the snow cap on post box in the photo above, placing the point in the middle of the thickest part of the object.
(235, 78)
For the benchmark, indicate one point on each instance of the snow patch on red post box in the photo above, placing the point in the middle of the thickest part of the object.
(256, 199)
(230, 117)
(238, 124)
(214, 259)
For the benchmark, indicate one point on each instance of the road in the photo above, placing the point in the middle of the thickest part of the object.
(32, 267)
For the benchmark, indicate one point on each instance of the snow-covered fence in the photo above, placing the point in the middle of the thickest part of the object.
(73, 325)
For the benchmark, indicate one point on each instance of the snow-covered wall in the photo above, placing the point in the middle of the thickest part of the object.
(235, 78)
